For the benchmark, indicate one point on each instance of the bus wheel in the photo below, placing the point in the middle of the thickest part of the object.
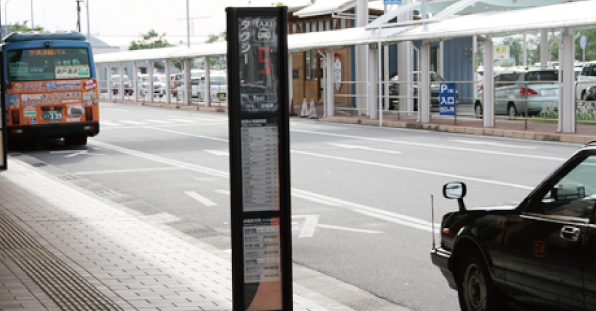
(75, 140)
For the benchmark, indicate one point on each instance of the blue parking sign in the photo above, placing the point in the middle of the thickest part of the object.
(447, 99)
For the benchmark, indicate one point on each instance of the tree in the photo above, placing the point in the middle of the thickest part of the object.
(23, 27)
(151, 40)
(222, 36)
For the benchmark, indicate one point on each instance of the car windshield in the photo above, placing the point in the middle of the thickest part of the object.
(158, 78)
(435, 77)
(219, 80)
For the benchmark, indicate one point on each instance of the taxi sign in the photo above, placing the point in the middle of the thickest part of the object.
(447, 99)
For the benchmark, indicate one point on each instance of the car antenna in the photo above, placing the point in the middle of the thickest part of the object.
(432, 217)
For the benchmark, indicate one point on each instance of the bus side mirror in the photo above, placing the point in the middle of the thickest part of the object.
(456, 190)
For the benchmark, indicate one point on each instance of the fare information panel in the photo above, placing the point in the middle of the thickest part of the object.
(259, 158)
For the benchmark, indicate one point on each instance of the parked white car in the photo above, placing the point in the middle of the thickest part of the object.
(219, 87)
(586, 78)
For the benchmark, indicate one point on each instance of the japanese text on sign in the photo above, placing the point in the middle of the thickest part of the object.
(447, 99)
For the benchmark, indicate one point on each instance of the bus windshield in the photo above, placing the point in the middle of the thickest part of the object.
(48, 64)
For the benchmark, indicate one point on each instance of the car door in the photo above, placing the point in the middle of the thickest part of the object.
(544, 244)
(503, 91)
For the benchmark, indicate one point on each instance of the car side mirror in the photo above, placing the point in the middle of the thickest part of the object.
(456, 190)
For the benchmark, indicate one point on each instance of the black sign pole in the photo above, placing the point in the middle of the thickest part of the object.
(3, 133)
(259, 158)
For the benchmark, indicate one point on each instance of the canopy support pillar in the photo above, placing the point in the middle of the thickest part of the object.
(149, 94)
(135, 78)
(168, 82)
(567, 113)
(329, 83)
(488, 109)
(424, 104)
(373, 74)
(208, 81)
(186, 82)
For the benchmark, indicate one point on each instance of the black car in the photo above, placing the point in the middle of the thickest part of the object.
(591, 93)
(435, 81)
(539, 255)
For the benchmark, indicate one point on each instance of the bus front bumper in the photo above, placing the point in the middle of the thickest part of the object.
(62, 130)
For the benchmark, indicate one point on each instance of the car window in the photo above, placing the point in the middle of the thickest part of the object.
(436, 77)
(550, 76)
(571, 195)
(593, 70)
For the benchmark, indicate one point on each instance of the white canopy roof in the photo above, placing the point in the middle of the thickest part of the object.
(334, 6)
(571, 14)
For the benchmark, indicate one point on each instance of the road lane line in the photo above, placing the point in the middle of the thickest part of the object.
(309, 226)
(218, 153)
(192, 167)
(157, 121)
(488, 143)
(348, 229)
(414, 170)
(364, 148)
(373, 212)
(138, 170)
(226, 192)
(132, 122)
(200, 198)
(399, 221)
(519, 155)
(188, 134)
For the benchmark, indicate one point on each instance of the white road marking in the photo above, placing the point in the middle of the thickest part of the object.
(226, 192)
(348, 229)
(138, 170)
(488, 143)
(109, 123)
(434, 146)
(188, 134)
(132, 122)
(310, 223)
(158, 121)
(365, 148)
(218, 153)
(375, 212)
(150, 157)
(200, 198)
(182, 120)
(414, 170)
(74, 153)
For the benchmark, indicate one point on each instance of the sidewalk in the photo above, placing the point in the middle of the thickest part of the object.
(64, 247)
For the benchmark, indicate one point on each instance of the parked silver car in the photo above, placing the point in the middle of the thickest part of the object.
(514, 87)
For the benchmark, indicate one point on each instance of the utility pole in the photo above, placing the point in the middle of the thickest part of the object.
(79, 15)
(32, 26)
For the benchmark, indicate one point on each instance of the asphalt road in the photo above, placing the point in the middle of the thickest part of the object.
(361, 195)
